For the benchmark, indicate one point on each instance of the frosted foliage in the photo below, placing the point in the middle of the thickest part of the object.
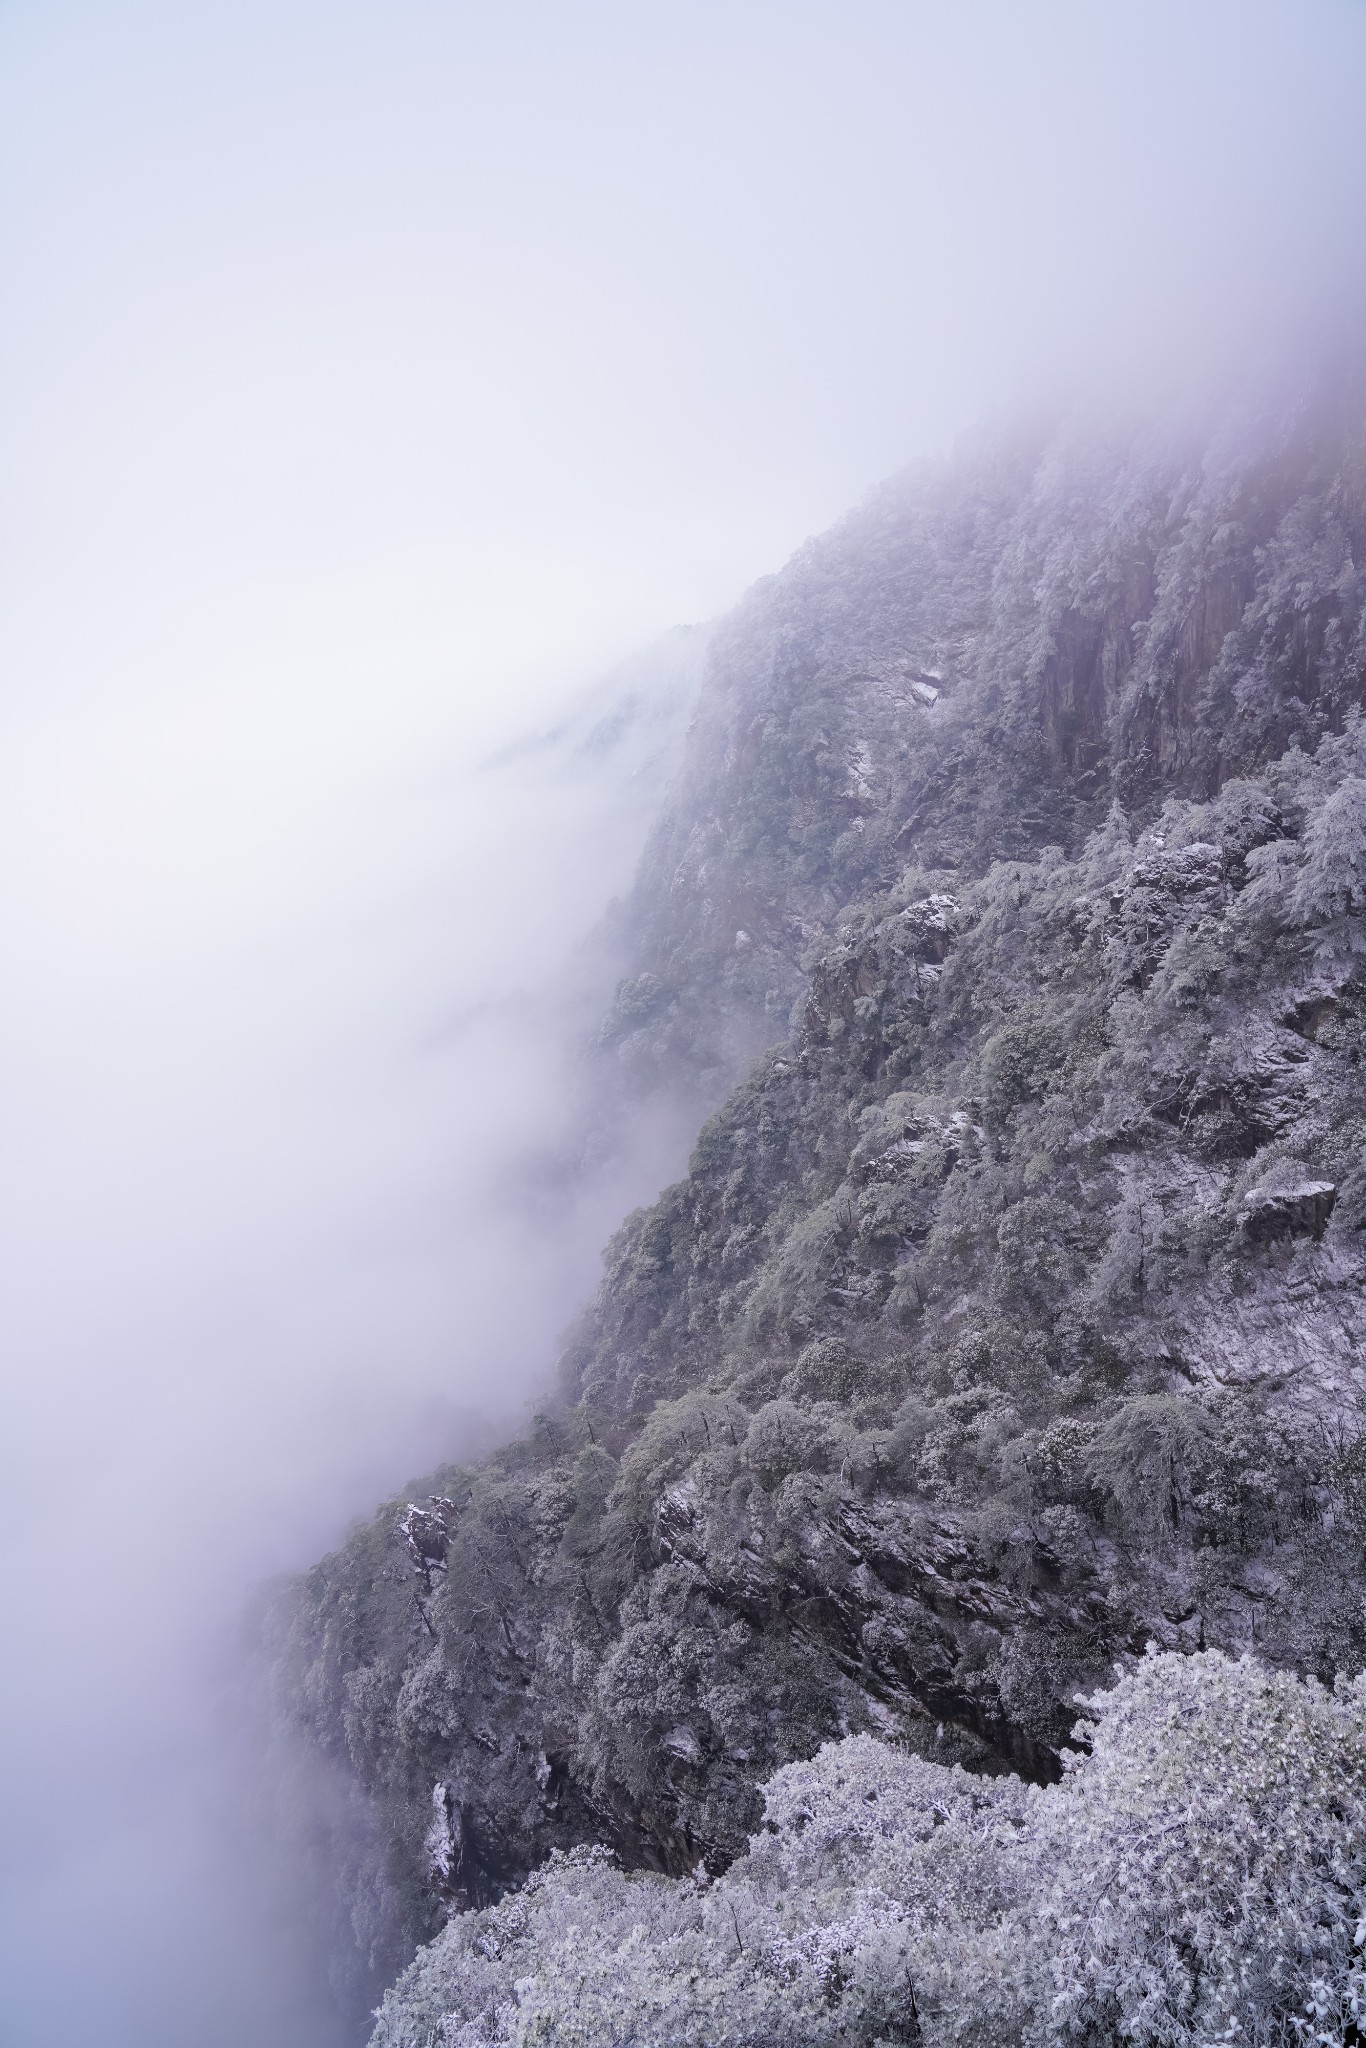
(1330, 890)
(1199, 1876)
(1208, 1859)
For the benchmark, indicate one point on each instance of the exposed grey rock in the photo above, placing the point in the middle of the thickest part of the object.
(1291, 1211)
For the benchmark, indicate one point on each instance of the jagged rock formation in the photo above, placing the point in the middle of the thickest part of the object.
(1011, 1315)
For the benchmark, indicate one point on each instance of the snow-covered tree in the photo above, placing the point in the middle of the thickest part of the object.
(1198, 1876)
(1330, 889)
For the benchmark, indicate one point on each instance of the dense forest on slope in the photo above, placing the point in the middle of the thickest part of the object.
(1009, 918)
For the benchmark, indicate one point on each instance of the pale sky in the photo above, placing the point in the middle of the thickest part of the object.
(371, 376)
(467, 341)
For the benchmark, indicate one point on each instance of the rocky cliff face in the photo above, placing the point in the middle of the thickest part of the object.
(1011, 1314)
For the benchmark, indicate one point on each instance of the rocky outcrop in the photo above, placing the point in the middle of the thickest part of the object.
(1297, 1211)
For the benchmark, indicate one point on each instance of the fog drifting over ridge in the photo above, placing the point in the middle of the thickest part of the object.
(300, 1279)
(373, 379)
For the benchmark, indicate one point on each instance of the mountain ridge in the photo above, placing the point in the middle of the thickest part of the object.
(1008, 922)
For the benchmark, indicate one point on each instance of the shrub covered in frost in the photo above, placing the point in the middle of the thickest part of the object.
(1198, 1876)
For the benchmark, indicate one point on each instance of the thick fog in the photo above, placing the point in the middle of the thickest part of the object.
(374, 382)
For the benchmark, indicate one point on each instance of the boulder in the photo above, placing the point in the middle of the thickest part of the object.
(1299, 1211)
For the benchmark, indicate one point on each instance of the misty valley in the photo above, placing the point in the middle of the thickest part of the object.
(926, 1601)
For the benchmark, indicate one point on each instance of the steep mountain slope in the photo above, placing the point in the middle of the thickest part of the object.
(1009, 1317)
